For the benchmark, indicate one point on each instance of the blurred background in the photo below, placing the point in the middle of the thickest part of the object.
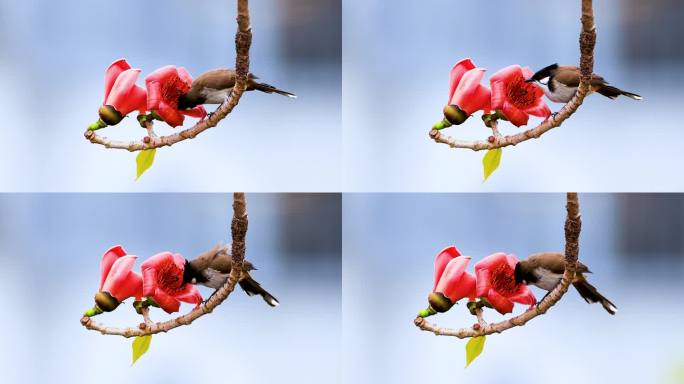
(52, 62)
(633, 244)
(396, 62)
(50, 251)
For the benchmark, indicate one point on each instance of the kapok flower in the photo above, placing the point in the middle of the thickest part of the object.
(466, 94)
(452, 282)
(164, 87)
(122, 95)
(496, 282)
(117, 281)
(515, 98)
(163, 282)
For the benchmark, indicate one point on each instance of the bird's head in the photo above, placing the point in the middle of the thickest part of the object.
(543, 74)
(518, 273)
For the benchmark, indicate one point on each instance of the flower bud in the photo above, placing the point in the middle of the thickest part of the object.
(439, 302)
(454, 114)
(110, 115)
(106, 302)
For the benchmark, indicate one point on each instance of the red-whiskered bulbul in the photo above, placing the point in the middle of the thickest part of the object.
(215, 86)
(545, 271)
(211, 269)
(561, 82)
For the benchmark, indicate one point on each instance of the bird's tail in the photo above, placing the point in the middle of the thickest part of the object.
(591, 295)
(613, 92)
(252, 287)
(271, 89)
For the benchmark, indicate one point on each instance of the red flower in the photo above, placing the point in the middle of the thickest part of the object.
(465, 89)
(496, 283)
(452, 282)
(515, 98)
(164, 87)
(122, 96)
(117, 280)
(163, 282)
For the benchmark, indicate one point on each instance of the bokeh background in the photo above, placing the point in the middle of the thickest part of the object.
(50, 250)
(396, 62)
(52, 62)
(632, 243)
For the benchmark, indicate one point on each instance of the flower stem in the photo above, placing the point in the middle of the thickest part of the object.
(427, 312)
(97, 125)
(94, 311)
(442, 124)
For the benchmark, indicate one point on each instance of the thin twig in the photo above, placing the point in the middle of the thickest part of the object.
(243, 40)
(239, 233)
(573, 226)
(587, 41)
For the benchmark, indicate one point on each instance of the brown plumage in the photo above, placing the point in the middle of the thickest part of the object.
(212, 268)
(563, 81)
(214, 86)
(545, 271)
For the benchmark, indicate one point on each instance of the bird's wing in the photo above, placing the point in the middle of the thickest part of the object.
(222, 262)
(553, 261)
(568, 75)
(204, 260)
(216, 79)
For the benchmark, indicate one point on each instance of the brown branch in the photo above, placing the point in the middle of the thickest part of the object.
(587, 41)
(573, 225)
(239, 232)
(243, 40)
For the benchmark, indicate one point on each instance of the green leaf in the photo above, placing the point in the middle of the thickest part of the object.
(474, 348)
(144, 161)
(491, 161)
(140, 345)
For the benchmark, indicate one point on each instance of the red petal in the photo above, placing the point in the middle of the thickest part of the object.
(491, 261)
(514, 115)
(527, 72)
(171, 115)
(451, 284)
(108, 260)
(149, 269)
(524, 296)
(112, 72)
(506, 75)
(153, 83)
(185, 76)
(484, 281)
(470, 95)
(198, 112)
(500, 303)
(166, 302)
(121, 282)
(443, 258)
(512, 261)
(119, 97)
(457, 71)
(540, 109)
(190, 294)
(499, 94)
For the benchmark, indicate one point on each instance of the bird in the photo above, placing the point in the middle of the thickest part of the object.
(545, 270)
(214, 87)
(560, 82)
(212, 268)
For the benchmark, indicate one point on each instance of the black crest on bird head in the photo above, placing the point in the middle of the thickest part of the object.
(544, 72)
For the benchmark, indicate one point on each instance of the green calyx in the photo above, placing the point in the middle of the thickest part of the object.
(442, 124)
(429, 311)
(454, 115)
(439, 302)
(106, 302)
(138, 305)
(153, 115)
(109, 115)
(480, 303)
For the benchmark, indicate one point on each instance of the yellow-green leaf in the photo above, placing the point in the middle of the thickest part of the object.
(491, 161)
(144, 161)
(140, 345)
(474, 348)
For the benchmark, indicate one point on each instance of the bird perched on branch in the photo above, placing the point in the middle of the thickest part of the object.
(215, 86)
(545, 270)
(560, 82)
(212, 268)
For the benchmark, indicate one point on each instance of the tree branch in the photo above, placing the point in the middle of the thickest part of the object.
(243, 40)
(573, 226)
(239, 232)
(587, 41)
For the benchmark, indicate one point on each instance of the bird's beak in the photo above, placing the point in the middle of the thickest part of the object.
(530, 80)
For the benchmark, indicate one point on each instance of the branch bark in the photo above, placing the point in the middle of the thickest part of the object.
(573, 226)
(239, 232)
(243, 41)
(587, 41)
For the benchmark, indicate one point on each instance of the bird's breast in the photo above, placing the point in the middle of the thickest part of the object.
(561, 93)
(215, 96)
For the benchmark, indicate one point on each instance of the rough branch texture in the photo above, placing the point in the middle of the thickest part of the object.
(239, 231)
(243, 40)
(587, 41)
(573, 225)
